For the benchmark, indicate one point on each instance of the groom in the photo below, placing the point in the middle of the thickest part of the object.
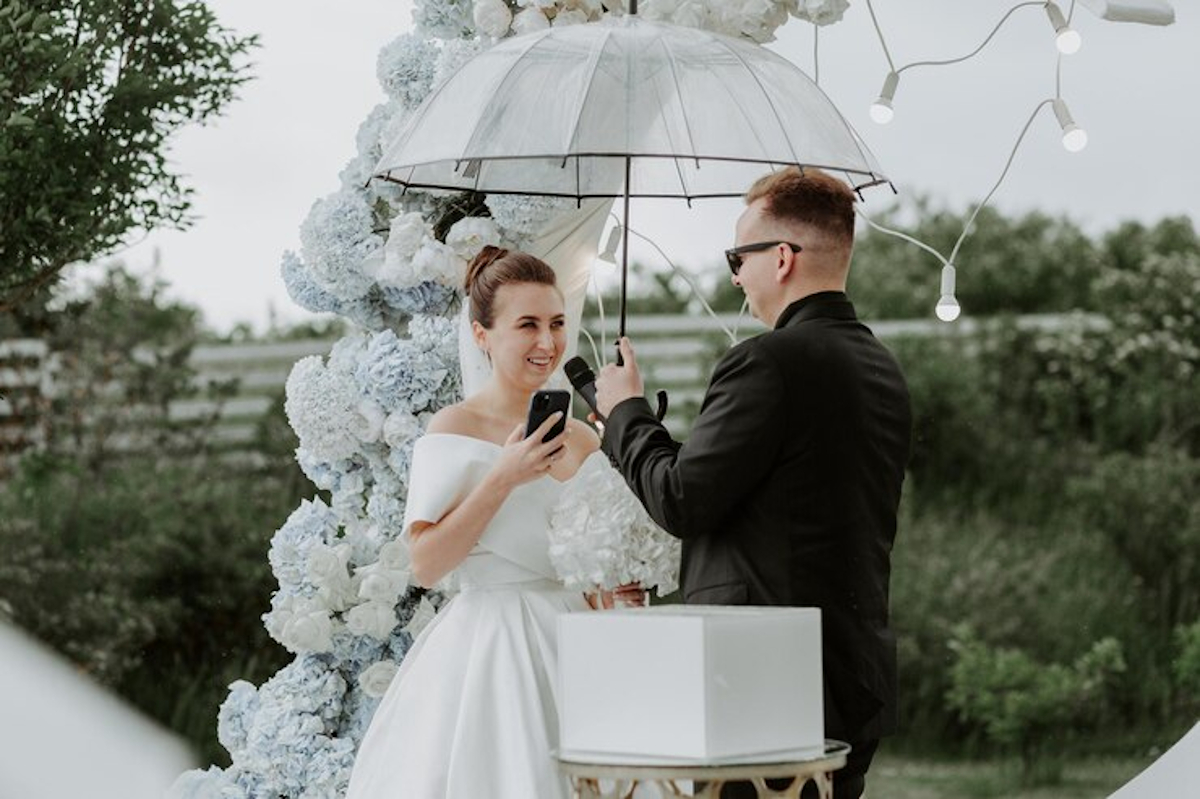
(786, 491)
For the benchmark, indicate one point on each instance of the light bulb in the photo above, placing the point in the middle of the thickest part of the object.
(1066, 39)
(881, 110)
(947, 308)
(1074, 138)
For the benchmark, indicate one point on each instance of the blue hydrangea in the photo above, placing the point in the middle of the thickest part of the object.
(356, 718)
(291, 747)
(429, 297)
(303, 290)
(400, 374)
(312, 523)
(214, 783)
(356, 652)
(336, 239)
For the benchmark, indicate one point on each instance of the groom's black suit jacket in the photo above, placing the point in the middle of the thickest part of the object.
(787, 488)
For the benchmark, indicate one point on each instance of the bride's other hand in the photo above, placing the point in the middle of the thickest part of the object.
(527, 458)
(630, 595)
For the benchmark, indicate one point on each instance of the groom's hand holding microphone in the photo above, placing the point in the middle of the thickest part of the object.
(618, 383)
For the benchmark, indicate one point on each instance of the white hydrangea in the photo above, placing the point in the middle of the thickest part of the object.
(600, 535)
(445, 19)
(492, 17)
(523, 218)
(321, 407)
(405, 68)
(335, 239)
(470, 235)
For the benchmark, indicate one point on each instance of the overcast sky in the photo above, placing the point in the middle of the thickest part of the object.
(1136, 89)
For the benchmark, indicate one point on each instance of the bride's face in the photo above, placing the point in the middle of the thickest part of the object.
(528, 334)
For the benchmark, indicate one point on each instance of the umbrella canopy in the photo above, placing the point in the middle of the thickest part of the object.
(623, 108)
(558, 111)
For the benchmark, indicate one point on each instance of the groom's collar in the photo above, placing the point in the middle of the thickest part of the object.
(823, 304)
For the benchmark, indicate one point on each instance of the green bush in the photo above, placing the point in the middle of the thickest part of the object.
(1028, 706)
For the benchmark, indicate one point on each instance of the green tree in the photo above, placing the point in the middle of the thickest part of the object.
(91, 92)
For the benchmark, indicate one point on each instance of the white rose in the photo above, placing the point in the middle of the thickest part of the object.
(394, 556)
(309, 632)
(399, 428)
(375, 679)
(375, 619)
(366, 423)
(339, 593)
(564, 18)
(407, 233)
(492, 17)
(529, 21)
(421, 618)
(469, 235)
(382, 585)
(436, 261)
(690, 14)
(323, 565)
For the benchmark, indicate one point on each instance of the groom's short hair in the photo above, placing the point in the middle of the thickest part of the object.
(809, 197)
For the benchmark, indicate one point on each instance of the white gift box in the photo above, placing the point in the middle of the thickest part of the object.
(691, 684)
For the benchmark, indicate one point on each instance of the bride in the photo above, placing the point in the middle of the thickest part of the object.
(472, 710)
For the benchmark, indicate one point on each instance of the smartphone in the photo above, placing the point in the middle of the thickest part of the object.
(541, 405)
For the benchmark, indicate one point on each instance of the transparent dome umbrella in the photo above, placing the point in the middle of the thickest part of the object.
(625, 107)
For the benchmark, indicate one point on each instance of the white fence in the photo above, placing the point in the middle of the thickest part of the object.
(674, 351)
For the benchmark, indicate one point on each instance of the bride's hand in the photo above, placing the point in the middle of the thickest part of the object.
(524, 459)
(630, 595)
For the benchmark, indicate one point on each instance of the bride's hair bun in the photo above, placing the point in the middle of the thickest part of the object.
(482, 260)
(494, 267)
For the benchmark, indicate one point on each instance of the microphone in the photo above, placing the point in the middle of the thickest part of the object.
(583, 380)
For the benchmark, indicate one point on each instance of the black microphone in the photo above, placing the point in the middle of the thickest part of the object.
(583, 380)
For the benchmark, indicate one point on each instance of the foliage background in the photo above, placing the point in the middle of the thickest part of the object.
(1050, 510)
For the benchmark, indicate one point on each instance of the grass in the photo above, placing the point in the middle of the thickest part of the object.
(903, 777)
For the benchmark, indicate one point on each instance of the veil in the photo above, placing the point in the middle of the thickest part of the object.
(473, 363)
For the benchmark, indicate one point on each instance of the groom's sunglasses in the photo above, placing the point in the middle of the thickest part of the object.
(733, 256)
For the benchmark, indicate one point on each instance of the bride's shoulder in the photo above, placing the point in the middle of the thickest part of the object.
(456, 420)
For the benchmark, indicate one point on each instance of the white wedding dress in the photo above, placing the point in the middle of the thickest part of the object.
(472, 711)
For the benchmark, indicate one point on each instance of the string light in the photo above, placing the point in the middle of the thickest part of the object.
(1066, 39)
(947, 306)
(609, 253)
(1074, 138)
(881, 110)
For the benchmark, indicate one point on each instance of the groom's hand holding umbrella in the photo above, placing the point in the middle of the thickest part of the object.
(618, 383)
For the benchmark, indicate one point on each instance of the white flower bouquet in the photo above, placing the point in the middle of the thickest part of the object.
(602, 537)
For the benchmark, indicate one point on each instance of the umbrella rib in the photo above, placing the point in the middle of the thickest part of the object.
(500, 86)
(593, 66)
(687, 127)
(767, 97)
